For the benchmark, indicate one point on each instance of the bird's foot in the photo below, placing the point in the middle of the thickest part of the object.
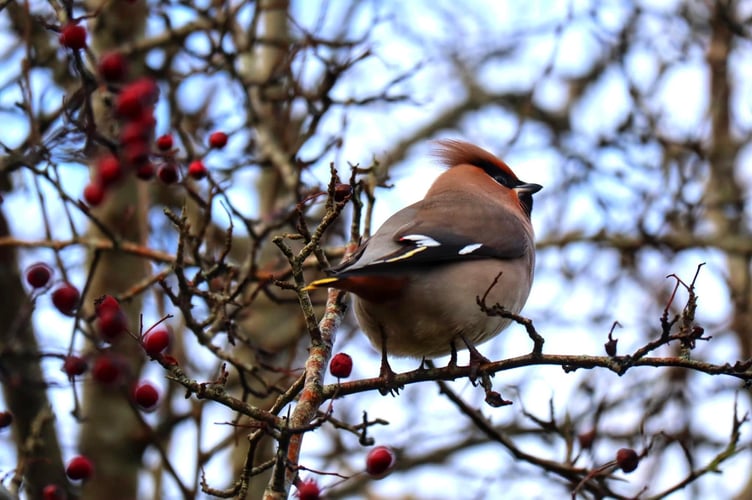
(387, 377)
(476, 359)
(453, 355)
(386, 374)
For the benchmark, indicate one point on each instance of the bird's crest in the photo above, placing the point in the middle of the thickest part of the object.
(453, 152)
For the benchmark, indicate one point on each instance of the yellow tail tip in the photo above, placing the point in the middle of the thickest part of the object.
(319, 283)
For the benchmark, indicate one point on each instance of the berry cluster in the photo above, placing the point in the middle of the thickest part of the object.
(134, 109)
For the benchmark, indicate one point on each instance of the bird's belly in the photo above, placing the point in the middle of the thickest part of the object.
(425, 321)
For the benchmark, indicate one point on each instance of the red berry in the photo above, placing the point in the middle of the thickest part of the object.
(136, 153)
(218, 140)
(164, 142)
(342, 191)
(65, 298)
(74, 365)
(341, 365)
(586, 439)
(147, 120)
(6, 418)
(308, 490)
(109, 170)
(146, 395)
(627, 459)
(106, 303)
(145, 171)
(135, 131)
(156, 341)
(53, 492)
(79, 467)
(146, 89)
(73, 36)
(113, 67)
(112, 323)
(94, 193)
(167, 173)
(379, 462)
(38, 275)
(136, 99)
(106, 369)
(128, 104)
(197, 170)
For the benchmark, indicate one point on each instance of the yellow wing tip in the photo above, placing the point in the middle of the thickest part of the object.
(320, 283)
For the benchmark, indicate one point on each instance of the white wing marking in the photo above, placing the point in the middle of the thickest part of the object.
(470, 248)
(421, 240)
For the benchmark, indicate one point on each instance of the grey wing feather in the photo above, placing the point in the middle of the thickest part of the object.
(422, 238)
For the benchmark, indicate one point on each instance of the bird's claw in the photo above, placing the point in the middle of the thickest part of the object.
(387, 377)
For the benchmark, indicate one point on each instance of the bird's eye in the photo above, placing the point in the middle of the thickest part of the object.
(505, 180)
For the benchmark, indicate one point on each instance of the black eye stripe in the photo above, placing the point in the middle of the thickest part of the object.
(505, 180)
(497, 174)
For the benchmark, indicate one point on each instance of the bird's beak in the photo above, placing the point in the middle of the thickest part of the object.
(528, 188)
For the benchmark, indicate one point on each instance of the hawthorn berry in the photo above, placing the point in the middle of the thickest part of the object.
(168, 173)
(146, 395)
(73, 36)
(134, 131)
(136, 153)
(341, 365)
(106, 303)
(94, 193)
(145, 171)
(38, 275)
(112, 323)
(79, 467)
(164, 142)
(65, 298)
(128, 104)
(308, 490)
(109, 170)
(627, 459)
(218, 140)
(53, 492)
(156, 341)
(74, 366)
(586, 439)
(136, 99)
(147, 120)
(342, 191)
(379, 462)
(106, 369)
(6, 418)
(197, 169)
(113, 67)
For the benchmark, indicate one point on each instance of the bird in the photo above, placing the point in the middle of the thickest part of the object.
(418, 279)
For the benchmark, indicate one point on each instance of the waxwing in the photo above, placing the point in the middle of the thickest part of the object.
(417, 280)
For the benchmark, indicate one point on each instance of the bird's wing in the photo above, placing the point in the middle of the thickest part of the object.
(421, 236)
